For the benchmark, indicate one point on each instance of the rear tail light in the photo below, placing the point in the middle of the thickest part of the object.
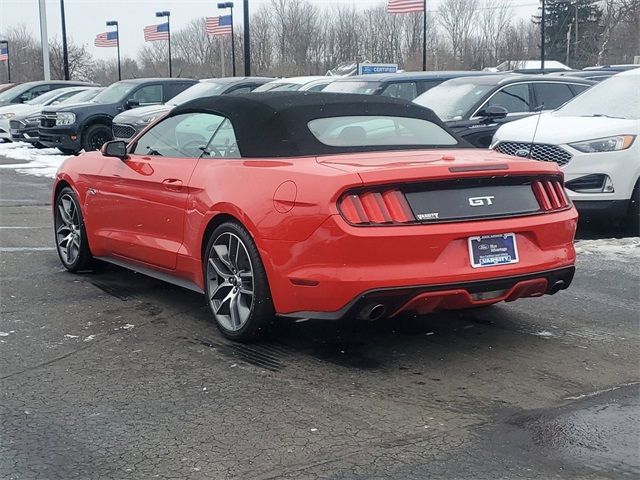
(376, 208)
(550, 194)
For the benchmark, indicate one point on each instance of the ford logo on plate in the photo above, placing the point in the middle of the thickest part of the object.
(523, 152)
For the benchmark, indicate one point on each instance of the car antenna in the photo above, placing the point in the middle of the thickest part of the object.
(539, 108)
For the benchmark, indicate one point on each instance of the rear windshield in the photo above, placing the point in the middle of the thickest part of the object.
(364, 87)
(369, 130)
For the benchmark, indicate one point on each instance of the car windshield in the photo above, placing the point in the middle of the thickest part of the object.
(377, 130)
(14, 92)
(364, 87)
(45, 98)
(114, 93)
(616, 97)
(453, 99)
(83, 96)
(202, 89)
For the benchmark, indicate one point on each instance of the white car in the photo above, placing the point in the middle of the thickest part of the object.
(312, 83)
(594, 138)
(33, 106)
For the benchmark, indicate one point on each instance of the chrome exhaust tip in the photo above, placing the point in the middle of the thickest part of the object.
(556, 287)
(373, 312)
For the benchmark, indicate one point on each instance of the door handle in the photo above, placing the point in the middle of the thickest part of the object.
(173, 184)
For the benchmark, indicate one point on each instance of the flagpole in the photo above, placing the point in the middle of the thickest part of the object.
(65, 50)
(247, 39)
(424, 37)
(112, 23)
(223, 5)
(167, 14)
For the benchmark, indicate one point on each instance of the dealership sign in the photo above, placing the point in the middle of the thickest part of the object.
(368, 68)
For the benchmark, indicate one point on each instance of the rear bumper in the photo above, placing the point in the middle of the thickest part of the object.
(428, 298)
(60, 138)
(339, 266)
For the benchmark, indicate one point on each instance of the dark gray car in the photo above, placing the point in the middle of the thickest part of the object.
(128, 124)
(87, 126)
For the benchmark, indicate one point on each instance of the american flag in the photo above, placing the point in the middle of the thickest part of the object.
(218, 25)
(156, 32)
(106, 39)
(4, 54)
(405, 6)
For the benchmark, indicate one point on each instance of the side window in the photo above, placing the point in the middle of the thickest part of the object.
(515, 98)
(34, 92)
(318, 88)
(148, 95)
(406, 90)
(239, 90)
(174, 88)
(578, 89)
(182, 136)
(552, 95)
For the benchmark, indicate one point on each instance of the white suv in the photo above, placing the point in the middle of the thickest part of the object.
(594, 138)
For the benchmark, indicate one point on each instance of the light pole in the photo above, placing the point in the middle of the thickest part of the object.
(247, 42)
(65, 50)
(229, 5)
(6, 42)
(114, 23)
(167, 14)
(542, 37)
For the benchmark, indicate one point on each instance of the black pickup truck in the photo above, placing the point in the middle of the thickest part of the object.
(87, 126)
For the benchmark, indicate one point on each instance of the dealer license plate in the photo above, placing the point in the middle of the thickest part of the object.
(490, 250)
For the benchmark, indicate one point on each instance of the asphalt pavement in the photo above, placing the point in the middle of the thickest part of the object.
(112, 375)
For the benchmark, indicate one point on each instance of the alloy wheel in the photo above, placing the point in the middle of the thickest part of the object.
(68, 231)
(230, 281)
(98, 139)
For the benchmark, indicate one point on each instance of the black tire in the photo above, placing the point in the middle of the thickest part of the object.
(69, 232)
(259, 312)
(633, 215)
(95, 136)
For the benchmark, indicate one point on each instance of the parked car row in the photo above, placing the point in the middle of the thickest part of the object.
(482, 108)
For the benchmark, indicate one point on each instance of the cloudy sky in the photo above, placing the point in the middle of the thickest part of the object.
(86, 18)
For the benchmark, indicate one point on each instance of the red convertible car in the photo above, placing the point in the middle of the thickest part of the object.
(317, 205)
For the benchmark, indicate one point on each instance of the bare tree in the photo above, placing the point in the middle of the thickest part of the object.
(494, 18)
(79, 59)
(457, 19)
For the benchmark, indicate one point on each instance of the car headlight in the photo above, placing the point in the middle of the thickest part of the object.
(147, 119)
(608, 144)
(7, 115)
(32, 119)
(65, 118)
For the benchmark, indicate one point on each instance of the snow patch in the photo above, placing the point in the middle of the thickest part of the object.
(619, 247)
(41, 162)
(88, 338)
(70, 336)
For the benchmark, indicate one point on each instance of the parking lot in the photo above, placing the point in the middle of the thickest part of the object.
(116, 375)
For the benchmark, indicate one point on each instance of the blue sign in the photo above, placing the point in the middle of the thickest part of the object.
(369, 68)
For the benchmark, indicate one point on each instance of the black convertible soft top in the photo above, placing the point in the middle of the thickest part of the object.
(274, 124)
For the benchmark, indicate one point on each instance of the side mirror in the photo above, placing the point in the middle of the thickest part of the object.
(493, 112)
(115, 148)
(132, 103)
